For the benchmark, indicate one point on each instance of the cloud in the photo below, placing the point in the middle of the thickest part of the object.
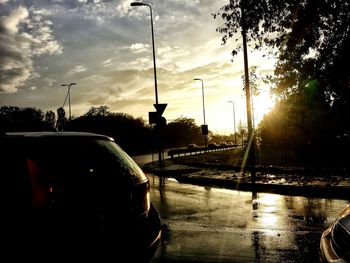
(99, 11)
(76, 69)
(139, 47)
(107, 62)
(23, 35)
(124, 7)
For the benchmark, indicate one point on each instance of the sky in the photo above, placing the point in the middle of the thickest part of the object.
(105, 47)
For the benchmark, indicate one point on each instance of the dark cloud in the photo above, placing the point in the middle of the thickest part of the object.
(23, 35)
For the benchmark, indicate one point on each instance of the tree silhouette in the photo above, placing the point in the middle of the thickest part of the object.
(181, 132)
(130, 133)
(311, 40)
(61, 119)
(14, 118)
(50, 120)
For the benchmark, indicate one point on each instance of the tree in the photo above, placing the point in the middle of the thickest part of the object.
(61, 119)
(7, 117)
(98, 111)
(294, 28)
(311, 40)
(242, 131)
(132, 134)
(311, 37)
(14, 118)
(50, 119)
(182, 131)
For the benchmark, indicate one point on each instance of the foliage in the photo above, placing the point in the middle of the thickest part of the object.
(218, 139)
(50, 118)
(242, 132)
(311, 36)
(311, 79)
(265, 21)
(98, 111)
(130, 133)
(253, 79)
(18, 119)
(183, 131)
(61, 119)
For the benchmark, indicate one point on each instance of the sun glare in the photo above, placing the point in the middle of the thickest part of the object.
(262, 104)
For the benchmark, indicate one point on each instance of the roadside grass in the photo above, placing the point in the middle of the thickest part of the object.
(237, 158)
(222, 157)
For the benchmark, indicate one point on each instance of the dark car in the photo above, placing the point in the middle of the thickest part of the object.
(335, 240)
(192, 146)
(73, 193)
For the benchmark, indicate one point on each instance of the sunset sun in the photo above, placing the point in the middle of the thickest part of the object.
(262, 104)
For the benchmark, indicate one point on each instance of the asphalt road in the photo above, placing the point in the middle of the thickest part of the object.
(205, 224)
(210, 224)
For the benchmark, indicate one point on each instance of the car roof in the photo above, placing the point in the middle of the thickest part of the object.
(61, 134)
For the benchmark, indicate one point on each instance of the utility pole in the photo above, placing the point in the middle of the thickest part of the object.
(251, 135)
(68, 95)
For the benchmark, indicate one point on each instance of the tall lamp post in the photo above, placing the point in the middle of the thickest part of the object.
(204, 127)
(154, 71)
(234, 120)
(68, 95)
(153, 46)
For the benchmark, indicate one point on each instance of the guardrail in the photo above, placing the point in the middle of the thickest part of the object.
(198, 150)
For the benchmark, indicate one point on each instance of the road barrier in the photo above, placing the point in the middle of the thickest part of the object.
(198, 150)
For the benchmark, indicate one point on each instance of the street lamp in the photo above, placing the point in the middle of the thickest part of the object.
(234, 119)
(204, 127)
(68, 95)
(154, 71)
(153, 46)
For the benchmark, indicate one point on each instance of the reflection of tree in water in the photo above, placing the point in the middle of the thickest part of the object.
(207, 195)
(256, 244)
(312, 216)
(308, 244)
(315, 212)
(310, 211)
(306, 216)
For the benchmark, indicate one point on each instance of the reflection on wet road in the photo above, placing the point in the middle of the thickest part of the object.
(203, 224)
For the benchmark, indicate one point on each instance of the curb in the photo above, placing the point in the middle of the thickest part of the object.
(182, 173)
(338, 192)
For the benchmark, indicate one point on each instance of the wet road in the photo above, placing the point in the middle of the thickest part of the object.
(202, 224)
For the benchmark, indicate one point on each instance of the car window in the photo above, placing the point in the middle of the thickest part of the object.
(39, 172)
(124, 160)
